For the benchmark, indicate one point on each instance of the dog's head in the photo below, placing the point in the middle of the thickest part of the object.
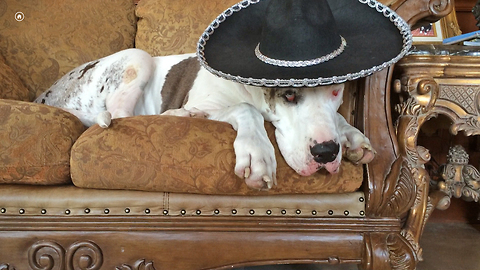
(306, 126)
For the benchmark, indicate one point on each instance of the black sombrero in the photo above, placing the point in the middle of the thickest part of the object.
(299, 43)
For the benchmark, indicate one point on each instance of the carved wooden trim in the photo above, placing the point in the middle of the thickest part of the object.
(460, 178)
(407, 187)
(6, 266)
(388, 251)
(426, 11)
(141, 264)
(46, 255)
(429, 85)
(400, 253)
(84, 255)
(51, 255)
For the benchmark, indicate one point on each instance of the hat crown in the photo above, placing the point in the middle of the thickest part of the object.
(298, 30)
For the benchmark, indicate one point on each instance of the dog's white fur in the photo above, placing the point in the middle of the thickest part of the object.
(129, 83)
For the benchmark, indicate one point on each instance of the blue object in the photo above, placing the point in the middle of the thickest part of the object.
(460, 38)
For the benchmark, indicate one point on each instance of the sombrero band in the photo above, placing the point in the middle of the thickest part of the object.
(302, 63)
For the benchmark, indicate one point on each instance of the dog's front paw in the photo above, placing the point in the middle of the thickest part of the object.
(255, 162)
(104, 119)
(357, 148)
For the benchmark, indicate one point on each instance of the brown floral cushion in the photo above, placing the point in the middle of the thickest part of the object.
(187, 155)
(11, 87)
(56, 36)
(167, 27)
(35, 143)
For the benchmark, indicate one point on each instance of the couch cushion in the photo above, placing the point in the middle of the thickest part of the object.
(187, 155)
(167, 27)
(59, 35)
(11, 87)
(35, 143)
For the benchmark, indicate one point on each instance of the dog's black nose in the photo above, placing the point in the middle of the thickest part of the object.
(325, 152)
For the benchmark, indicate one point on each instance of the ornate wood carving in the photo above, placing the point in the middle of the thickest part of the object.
(50, 255)
(413, 113)
(405, 185)
(6, 266)
(46, 255)
(138, 265)
(426, 11)
(461, 179)
(427, 88)
(400, 253)
(84, 255)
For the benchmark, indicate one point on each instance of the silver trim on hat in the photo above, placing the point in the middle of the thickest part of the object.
(400, 23)
(301, 63)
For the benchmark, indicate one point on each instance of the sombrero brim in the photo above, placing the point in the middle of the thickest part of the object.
(376, 38)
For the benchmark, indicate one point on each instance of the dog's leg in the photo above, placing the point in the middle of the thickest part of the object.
(255, 155)
(356, 146)
(121, 103)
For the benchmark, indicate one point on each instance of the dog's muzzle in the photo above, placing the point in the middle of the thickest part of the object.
(325, 152)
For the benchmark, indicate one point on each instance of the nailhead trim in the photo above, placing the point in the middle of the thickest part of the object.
(198, 212)
(361, 199)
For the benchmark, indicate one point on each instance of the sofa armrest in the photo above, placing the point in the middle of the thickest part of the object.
(35, 143)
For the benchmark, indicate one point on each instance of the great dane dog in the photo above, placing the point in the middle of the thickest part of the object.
(311, 135)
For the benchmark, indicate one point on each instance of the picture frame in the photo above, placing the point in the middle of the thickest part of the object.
(434, 33)
(428, 34)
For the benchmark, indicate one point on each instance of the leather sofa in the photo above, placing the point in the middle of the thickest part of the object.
(157, 192)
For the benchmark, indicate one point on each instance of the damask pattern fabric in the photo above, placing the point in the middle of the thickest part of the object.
(11, 87)
(35, 143)
(56, 36)
(186, 155)
(168, 27)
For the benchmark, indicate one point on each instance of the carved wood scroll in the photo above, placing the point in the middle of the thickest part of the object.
(81, 255)
(51, 255)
